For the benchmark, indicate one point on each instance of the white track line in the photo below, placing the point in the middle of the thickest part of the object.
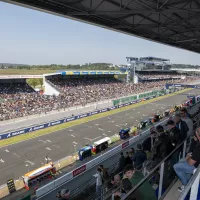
(81, 124)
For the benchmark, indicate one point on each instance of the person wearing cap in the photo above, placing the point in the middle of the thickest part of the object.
(185, 117)
(139, 157)
(183, 127)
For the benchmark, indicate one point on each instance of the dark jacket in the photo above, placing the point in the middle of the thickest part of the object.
(139, 157)
(121, 163)
(175, 137)
(161, 146)
(183, 127)
(193, 145)
(128, 161)
(146, 145)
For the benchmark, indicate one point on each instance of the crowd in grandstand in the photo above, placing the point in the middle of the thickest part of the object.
(159, 76)
(129, 174)
(19, 99)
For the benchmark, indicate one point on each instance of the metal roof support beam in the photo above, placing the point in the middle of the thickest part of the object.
(164, 3)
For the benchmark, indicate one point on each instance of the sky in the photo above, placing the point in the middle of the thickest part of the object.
(32, 37)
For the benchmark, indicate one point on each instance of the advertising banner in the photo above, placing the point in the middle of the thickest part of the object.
(65, 120)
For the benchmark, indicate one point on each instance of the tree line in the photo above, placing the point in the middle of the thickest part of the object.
(87, 66)
(33, 82)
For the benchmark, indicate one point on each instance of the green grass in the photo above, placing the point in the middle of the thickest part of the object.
(46, 131)
(26, 71)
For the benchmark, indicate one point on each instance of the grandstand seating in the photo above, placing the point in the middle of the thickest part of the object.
(19, 99)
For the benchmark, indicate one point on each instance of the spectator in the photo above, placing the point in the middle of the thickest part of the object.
(145, 191)
(105, 175)
(20, 100)
(133, 150)
(125, 188)
(128, 160)
(139, 157)
(121, 163)
(187, 120)
(174, 134)
(146, 145)
(104, 172)
(99, 183)
(181, 125)
(116, 182)
(175, 139)
(185, 167)
(193, 144)
(161, 146)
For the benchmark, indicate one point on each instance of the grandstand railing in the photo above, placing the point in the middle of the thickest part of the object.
(60, 182)
(93, 194)
(161, 165)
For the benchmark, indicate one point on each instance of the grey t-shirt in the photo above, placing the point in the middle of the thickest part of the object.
(189, 123)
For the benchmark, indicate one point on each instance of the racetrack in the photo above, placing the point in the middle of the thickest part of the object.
(17, 159)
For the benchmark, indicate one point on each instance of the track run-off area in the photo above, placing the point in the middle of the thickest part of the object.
(24, 153)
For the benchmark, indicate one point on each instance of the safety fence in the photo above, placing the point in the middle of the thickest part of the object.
(85, 189)
(164, 182)
(94, 162)
(151, 94)
(37, 127)
(59, 182)
(41, 126)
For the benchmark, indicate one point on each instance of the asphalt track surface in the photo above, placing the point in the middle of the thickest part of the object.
(18, 159)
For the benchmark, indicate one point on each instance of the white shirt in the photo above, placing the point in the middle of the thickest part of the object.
(98, 179)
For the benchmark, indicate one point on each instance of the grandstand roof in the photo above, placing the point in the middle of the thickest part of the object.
(172, 22)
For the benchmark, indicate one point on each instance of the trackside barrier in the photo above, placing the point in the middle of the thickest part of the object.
(94, 162)
(139, 96)
(61, 121)
(37, 127)
(161, 165)
(52, 123)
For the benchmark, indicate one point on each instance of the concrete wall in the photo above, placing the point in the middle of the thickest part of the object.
(50, 90)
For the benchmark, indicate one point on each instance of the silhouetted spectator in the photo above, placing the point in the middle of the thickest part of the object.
(181, 125)
(121, 162)
(139, 157)
(187, 120)
(128, 160)
(161, 146)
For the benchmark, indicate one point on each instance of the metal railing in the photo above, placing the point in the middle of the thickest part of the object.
(161, 165)
(54, 186)
(104, 190)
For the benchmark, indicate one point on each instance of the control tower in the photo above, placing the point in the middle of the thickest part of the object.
(132, 61)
